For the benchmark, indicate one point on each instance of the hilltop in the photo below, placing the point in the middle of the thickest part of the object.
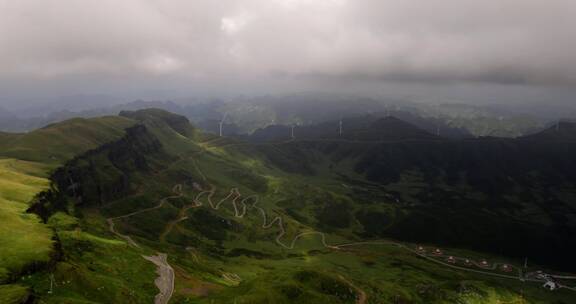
(288, 221)
(561, 131)
(363, 129)
(388, 129)
(26, 162)
(59, 142)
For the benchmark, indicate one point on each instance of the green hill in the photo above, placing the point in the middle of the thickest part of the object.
(364, 128)
(177, 123)
(25, 240)
(562, 131)
(26, 161)
(305, 221)
(388, 128)
(59, 142)
(513, 197)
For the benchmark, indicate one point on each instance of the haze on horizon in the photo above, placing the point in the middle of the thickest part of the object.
(478, 51)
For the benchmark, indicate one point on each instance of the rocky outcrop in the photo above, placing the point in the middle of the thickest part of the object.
(101, 175)
(178, 123)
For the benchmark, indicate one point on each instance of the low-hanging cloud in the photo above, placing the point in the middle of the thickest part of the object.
(496, 41)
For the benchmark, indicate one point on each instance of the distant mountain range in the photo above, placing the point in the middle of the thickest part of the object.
(246, 115)
(106, 206)
(368, 128)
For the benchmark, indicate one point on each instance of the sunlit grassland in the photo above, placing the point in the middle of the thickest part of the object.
(13, 293)
(386, 273)
(26, 161)
(97, 270)
(24, 239)
(60, 142)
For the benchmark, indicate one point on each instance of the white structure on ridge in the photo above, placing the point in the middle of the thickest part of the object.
(221, 123)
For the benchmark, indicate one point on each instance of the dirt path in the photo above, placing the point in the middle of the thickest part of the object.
(165, 271)
(279, 221)
(128, 239)
(182, 216)
(362, 296)
(234, 192)
(111, 226)
(165, 279)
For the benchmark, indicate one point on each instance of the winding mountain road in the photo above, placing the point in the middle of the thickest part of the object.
(165, 279)
(485, 268)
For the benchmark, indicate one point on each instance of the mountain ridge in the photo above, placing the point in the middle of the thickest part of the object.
(310, 193)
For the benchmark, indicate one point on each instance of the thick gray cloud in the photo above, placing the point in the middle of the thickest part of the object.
(148, 44)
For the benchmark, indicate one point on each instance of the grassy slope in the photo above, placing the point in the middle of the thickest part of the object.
(210, 244)
(96, 267)
(25, 163)
(26, 239)
(385, 273)
(60, 142)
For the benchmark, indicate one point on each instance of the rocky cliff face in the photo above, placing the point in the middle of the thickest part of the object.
(178, 123)
(102, 174)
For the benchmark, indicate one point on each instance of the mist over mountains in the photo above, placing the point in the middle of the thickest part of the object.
(288, 152)
(245, 115)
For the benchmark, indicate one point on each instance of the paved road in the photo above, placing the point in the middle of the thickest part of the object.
(282, 231)
(485, 267)
(111, 225)
(165, 279)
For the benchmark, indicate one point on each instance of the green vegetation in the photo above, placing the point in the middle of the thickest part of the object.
(267, 246)
(97, 269)
(13, 293)
(25, 241)
(26, 161)
(58, 143)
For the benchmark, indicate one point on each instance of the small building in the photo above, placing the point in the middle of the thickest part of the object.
(550, 285)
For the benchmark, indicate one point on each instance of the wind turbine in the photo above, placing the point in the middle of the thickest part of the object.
(221, 123)
(292, 131)
(437, 112)
(500, 126)
(340, 127)
(73, 185)
(51, 284)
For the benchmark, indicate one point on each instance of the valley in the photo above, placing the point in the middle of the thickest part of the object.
(287, 152)
(164, 213)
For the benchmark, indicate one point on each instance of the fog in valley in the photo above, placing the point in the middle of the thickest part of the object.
(515, 57)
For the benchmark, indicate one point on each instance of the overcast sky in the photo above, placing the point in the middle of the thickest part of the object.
(182, 47)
